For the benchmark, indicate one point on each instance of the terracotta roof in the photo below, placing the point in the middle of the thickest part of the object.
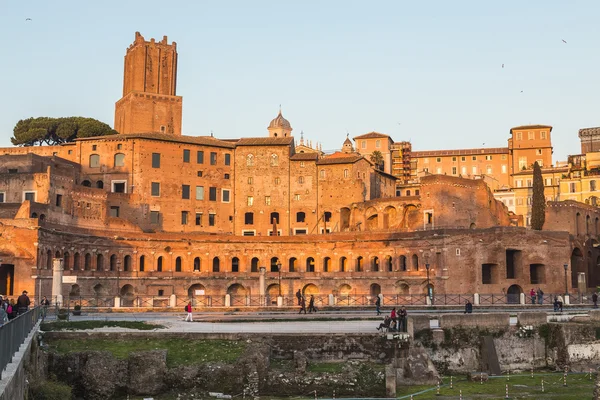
(524, 127)
(304, 156)
(202, 140)
(459, 152)
(340, 158)
(265, 141)
(280, 122)
(371, 135)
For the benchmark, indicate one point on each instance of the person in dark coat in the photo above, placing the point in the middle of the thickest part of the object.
(595, 299)
(299, 296)
(23, 303)
(468, 307)
(311, 304)
(378, 305)
(302, 305)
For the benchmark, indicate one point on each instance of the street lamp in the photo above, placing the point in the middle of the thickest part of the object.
(118, 276)
(279, 271)
(566, 288)
(428, 285)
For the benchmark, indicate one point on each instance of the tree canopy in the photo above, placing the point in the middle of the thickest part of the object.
(377, 159)
(53, 131)
(538, 202)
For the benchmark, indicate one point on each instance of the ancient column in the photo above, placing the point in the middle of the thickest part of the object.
(57, 275)
(262, 284)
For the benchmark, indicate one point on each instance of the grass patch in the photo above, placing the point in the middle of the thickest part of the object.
(50, 390)
(519, 386)
(326, 367)
(84, 325)
(179, 351)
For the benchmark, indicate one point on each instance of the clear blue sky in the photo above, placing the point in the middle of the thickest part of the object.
(425, 71)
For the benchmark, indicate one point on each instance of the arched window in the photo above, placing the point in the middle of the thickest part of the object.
(359, 264)
(402, 263)
(326, 264)
(178, 264)
(310, 264)
(49, 259)
(300, 216)
(274, 261)
(235, 264)
(159, 264)
(94, 161)
(274, 160)
(415, 262)
(343, 261)
(119, 160)
(76, 262)
(249, 160)
(327, 216)
(87, 261)
(254, 265)
(292, 264)
(216, 264)
(274, 216)
(66, 260)
(113, 262)
(197, 263)
(99, 262)
(86, 183)
(127, 263)
(142, 263)
(100, 185)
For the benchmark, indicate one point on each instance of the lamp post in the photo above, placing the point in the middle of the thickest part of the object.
(566, 288)
(279, 271)
(428, 285)
(118, 277)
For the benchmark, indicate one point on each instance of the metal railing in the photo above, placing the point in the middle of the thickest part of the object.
(13, 334)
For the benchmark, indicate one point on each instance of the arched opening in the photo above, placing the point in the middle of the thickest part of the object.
(57, 254)
(537, 273)
(513, 294)
(196, 291)
(99, 184)
(159, 264)
(76, 261)
(309, 289)
(75, 291)
(374, 290)
(310, 264)
(197, 264)
(415, 262)
(86, 183)
(42, 217)
(326, 264)
(359, 264)
(99, 262)
(254, 264)
(235, 264)
(34, 215)
(66, 260)
(345, 290)
(292, 264)
(127, 263)
(87, 262)
(274, 219)
(178, 264)
(113, 262)
(142, 263)
(389, 217)
(375, 264)
(587, 225)
(344, 219)
(49, 259)
(577, 223)
(388, 264)
(273, 266)
(99, 290)
(402, 288)
(372, 223)
(272, 293)
(237, 290)
(127, 295)
(403, 263)
(216, 264)
(343, 262)
(577, 266)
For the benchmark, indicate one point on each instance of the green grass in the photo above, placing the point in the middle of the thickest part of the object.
(326, 367)
(522, 386)
(83, 325)
(179, 351)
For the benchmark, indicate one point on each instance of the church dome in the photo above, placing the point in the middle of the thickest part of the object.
(280, 122)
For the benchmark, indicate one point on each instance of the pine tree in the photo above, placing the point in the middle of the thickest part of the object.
(538, 207)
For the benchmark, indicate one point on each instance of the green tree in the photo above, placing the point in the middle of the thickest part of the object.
(377, 159)
(538, 204)
(53, 131)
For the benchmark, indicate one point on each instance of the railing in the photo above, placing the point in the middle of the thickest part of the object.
(13, 334)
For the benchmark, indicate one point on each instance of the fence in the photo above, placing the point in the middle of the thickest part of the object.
(13, 334)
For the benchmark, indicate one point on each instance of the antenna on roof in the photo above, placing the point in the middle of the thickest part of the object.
(211, 133)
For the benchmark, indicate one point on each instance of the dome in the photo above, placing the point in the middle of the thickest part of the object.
(280, 122)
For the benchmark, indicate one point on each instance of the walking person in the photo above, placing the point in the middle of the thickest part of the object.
(299, 296)
(402, 317)
(540, 296)
(23, 303)
(595, 299)
(302, 305)
(378, 305)
(188, 310)
(311, 304)
(45, 304)
(393, 317)
(559, 302)
(532, 294)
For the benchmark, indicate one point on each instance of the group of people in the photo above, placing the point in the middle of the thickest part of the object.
(302, 303)
(396, 321)
(536, 295)
(9, 309)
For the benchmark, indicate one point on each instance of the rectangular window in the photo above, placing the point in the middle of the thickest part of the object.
(529, 201)
(474, 170)
(548, 181)
(438, 171)
(297, 197)
(186, 156)
(154, 217)
(247, 233)
(488, 158)
(489, 169)
(454, 171)
(426, 160)
(519, 201)
(463, 170)
(198, 219)
(301, 164)
(213, 158)
(94, 147)
(225, 195)
(250, 201)
(540, 163)
(226, 176)
(530, 135)
(2, 197)
(184, 217)
(572, 187)
(363, 144)
(155, 191)
(185, 192)
(155, 160)
(504, 168)
(267, 200)
(277, 181)
(199, 192)
(199, 174)
(522, 163)
(200, 157)
(59, 200)
(227, 159)
(474, 158)
(300, 179)
(212, 194)
(119, 186)
(519, 183)
(114, 211)
(300, 231)
(529, 183)
(463, 159)
(519, 135)
(453, 159)
(14, 170)
(211, 219)
(543, 135)
(439, 159)
(250, 180)
(378, 143)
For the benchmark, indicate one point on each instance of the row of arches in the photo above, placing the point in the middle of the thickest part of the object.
(581, 223)
(101, 262)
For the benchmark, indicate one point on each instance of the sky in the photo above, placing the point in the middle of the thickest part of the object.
(430, 72)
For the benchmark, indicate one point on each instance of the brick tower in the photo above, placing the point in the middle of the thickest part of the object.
(149, 102)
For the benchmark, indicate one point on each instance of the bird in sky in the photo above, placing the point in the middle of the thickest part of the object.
(564, 41)
(502, 65)
(521, 91)
(28, 19)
